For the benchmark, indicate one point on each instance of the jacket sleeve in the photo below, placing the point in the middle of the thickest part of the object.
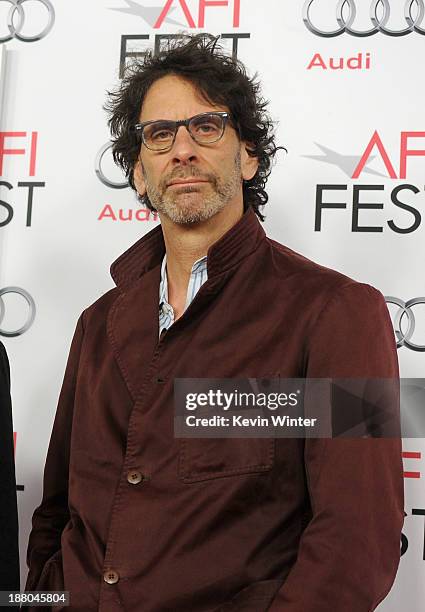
(51, 516)
(9, 554)
(350, 550)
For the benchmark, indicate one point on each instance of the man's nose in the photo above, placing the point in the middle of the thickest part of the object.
(184, 147)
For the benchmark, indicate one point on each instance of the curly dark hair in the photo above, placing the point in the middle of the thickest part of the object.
(221, 79)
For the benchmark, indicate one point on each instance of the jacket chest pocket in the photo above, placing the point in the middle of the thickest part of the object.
(210, 458)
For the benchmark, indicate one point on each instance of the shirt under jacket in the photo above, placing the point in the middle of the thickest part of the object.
(198, 276)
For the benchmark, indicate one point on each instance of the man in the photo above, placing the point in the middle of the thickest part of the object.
(135, 519)
(9, 554)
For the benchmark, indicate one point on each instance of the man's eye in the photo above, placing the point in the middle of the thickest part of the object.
(161, 135)
(206, 128)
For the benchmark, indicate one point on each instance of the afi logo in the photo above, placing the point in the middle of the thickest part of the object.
(25, 146)
(400, 196)
(405, 152)
(156, 16)
(30, 151)
(202, 5)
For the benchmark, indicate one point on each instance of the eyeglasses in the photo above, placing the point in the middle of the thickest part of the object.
(160, 135)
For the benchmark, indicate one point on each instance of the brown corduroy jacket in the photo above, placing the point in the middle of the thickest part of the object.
(133, 519)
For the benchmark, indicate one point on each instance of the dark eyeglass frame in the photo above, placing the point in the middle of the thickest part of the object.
(138, 128)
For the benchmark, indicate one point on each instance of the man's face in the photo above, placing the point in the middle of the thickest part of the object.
(215, 171)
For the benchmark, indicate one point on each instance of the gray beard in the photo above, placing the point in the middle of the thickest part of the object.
(180, 209)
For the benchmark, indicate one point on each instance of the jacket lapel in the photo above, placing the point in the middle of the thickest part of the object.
(133, 329)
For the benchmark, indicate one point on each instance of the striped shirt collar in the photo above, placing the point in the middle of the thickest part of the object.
(198, 276)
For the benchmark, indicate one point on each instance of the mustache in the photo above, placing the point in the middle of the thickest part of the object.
(187, 173)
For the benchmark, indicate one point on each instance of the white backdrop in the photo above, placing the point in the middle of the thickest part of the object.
(53, 127)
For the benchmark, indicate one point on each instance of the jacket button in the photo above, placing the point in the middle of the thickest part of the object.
(111, 577)
(134, 477)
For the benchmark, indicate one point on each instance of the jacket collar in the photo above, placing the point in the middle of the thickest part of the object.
(236, 244)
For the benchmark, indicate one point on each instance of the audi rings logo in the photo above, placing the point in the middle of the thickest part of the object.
(405, 311)
(30, 316)
(379, 23)
(100, 172)
(16, 21)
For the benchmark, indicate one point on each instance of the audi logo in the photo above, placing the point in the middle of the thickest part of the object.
(31, 311)
(16, 21)
(405, 310)
(101, 174)
(378, 23)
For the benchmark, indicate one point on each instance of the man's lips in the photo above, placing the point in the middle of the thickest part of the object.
(181, 182)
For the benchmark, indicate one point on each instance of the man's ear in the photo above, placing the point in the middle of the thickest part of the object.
(138, 177)
(249, 163)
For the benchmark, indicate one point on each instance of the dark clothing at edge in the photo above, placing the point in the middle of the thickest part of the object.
(9, 551)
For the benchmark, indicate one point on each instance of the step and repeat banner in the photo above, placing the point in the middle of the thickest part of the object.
(345, 88)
